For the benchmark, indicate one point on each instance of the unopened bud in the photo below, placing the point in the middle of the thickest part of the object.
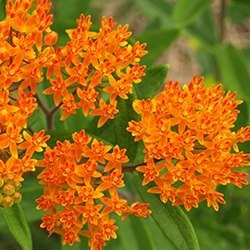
(8, 189)
(1, 182)
(50, 38)
(7, 201)
(9, 177)
(17, 185)
(17, 197)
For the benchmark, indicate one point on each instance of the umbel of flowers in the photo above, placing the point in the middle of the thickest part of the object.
(190, 148)
(81, 182)
(189, 145)
(81, 179)
(24, 53)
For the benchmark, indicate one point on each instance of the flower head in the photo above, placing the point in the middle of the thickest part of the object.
(95, 64)
(82, 182)
(190, 148)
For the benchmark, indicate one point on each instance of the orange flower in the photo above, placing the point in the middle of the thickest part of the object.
(190, 148)
(68, 106)
(80, 194)
(58, 89)
(116, 159)
(94, 62)
(106, 111)
(34, 143)
(88, 98)
(10, 139)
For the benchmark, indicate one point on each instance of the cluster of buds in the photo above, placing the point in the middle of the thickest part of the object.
(190, 148)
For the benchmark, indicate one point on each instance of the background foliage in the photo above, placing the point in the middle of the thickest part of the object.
(209, 38)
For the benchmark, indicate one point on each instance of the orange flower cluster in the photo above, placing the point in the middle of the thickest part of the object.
(81, 190)
(90, 72)
(23, 36)
(92, 64)
(190, 148)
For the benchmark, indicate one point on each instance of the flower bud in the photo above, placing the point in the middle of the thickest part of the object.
(50, 38)
(17, 185)
(8, 189)
(7, 201)
(17, 197)
(1, 182)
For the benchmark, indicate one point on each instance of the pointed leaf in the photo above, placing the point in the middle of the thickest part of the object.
(185, 12)
(123, 138)
(142, 233)
(127, 236)
(236, 77)
(172, 221)
(18, 225)
(74, 9)
(159, 9)
(152, 82)
(66, 13)
(157, 42)
(2, 9)
(234, 72)
(204, 28)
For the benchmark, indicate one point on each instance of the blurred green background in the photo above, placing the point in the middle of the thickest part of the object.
(209, 38)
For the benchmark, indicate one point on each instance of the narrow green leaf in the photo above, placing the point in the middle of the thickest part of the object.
(235, 76)
(172, 221)
(152, 82)
(159, 9)
(2, 9)
(204, 28)
(65, 14)
(185, 12)
(157, 42)
(233, 69)
(157, 235)
(18, 225)
(238, 11)
(30, 192)
(70, 10)
(123, 137)
(142, 234)
(127, 236)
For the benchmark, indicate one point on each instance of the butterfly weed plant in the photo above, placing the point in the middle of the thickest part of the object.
(183, 134)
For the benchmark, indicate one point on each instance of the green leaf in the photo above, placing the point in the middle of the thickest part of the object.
(152, 82)
(157, 42)
(18, 225)
(70, 10)
(65, 14)
(185, 12)
(233, 69)
(123, 138)
(235, 76)
(238, 11)
(204, 28)
(172, 221)
(2, 9)
(142, 233)
(159, 9)
(31, 190)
